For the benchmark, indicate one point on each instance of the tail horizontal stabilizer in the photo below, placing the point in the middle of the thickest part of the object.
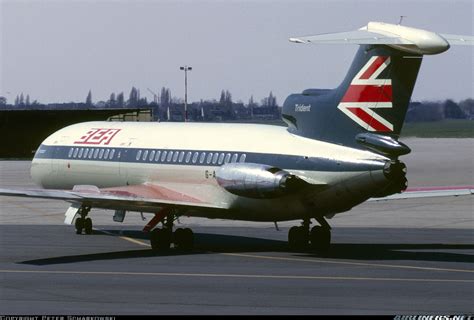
(403, 38)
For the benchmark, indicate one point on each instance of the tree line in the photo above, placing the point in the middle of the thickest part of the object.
(167, 107)
(427, 111)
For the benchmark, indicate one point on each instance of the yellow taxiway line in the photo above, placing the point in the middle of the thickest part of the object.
(226, 275)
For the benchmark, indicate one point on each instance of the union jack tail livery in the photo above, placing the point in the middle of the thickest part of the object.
(366, 92)
(373, 98)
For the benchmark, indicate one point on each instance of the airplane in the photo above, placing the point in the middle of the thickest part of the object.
(341, 148)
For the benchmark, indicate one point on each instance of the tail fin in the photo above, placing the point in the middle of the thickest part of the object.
(374, 96)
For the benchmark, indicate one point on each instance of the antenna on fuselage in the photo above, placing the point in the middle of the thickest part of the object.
(401, 19)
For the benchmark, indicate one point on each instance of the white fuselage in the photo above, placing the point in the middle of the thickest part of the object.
(132, 153)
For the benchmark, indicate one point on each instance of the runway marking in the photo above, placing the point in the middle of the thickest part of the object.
(228, 275)
(124, 238)
(309, 260)
(348, 263)
(42, 213)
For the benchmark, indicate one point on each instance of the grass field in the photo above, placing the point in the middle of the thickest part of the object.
(439, 129)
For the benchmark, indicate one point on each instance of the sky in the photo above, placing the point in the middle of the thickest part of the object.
(56, 51)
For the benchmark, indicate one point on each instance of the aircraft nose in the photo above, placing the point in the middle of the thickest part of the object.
(40, 167)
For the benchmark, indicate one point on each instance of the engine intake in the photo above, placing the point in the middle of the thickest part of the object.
(256, 180)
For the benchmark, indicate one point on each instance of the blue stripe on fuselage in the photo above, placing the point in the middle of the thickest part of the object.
(129, 155)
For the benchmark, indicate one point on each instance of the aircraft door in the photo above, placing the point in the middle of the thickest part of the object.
(58, 155)
(124, 162)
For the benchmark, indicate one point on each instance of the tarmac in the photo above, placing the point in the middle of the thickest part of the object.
(389, 257)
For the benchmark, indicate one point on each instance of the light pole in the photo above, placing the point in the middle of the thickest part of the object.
(186, 69)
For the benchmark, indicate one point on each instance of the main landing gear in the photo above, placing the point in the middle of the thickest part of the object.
(82, 222)
(162, 238)
(319, 237)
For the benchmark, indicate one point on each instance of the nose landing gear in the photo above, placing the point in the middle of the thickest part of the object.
(82, 222)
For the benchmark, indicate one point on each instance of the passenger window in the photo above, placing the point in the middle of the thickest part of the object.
(195, 157)
(71, 150)
(96, 153)
(139, 154)
(163, 156)
(188, 156)
(181, 156)
(152, 155)
(86, 152)
(170, 154)
(81, 151)
(101, 153)
(221, 158)
(202, 157)
(91, 152)
(106, 154)
(75, 152)
(227, 158)
(214, 158)
(242, 157)
(175, 156)
(157, 157)
(112, 152)
(209, 158)
(234, 157)
(145, 155)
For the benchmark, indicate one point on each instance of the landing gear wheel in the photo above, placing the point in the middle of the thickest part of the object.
(79, 224)
(160, 240)
(184, 239)
(178, 237)
(88, 226)
(297, 238)
(188, 241)
(320, 238)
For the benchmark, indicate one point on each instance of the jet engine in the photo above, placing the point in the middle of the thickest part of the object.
(256, 180)
(395, 171)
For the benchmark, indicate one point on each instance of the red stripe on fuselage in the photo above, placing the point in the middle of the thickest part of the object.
(367, 118)
(364, 93)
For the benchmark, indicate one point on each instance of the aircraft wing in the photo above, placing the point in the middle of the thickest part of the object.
(428, 192)
(145, 197)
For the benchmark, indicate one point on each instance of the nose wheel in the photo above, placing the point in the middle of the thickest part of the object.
(83, 223)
